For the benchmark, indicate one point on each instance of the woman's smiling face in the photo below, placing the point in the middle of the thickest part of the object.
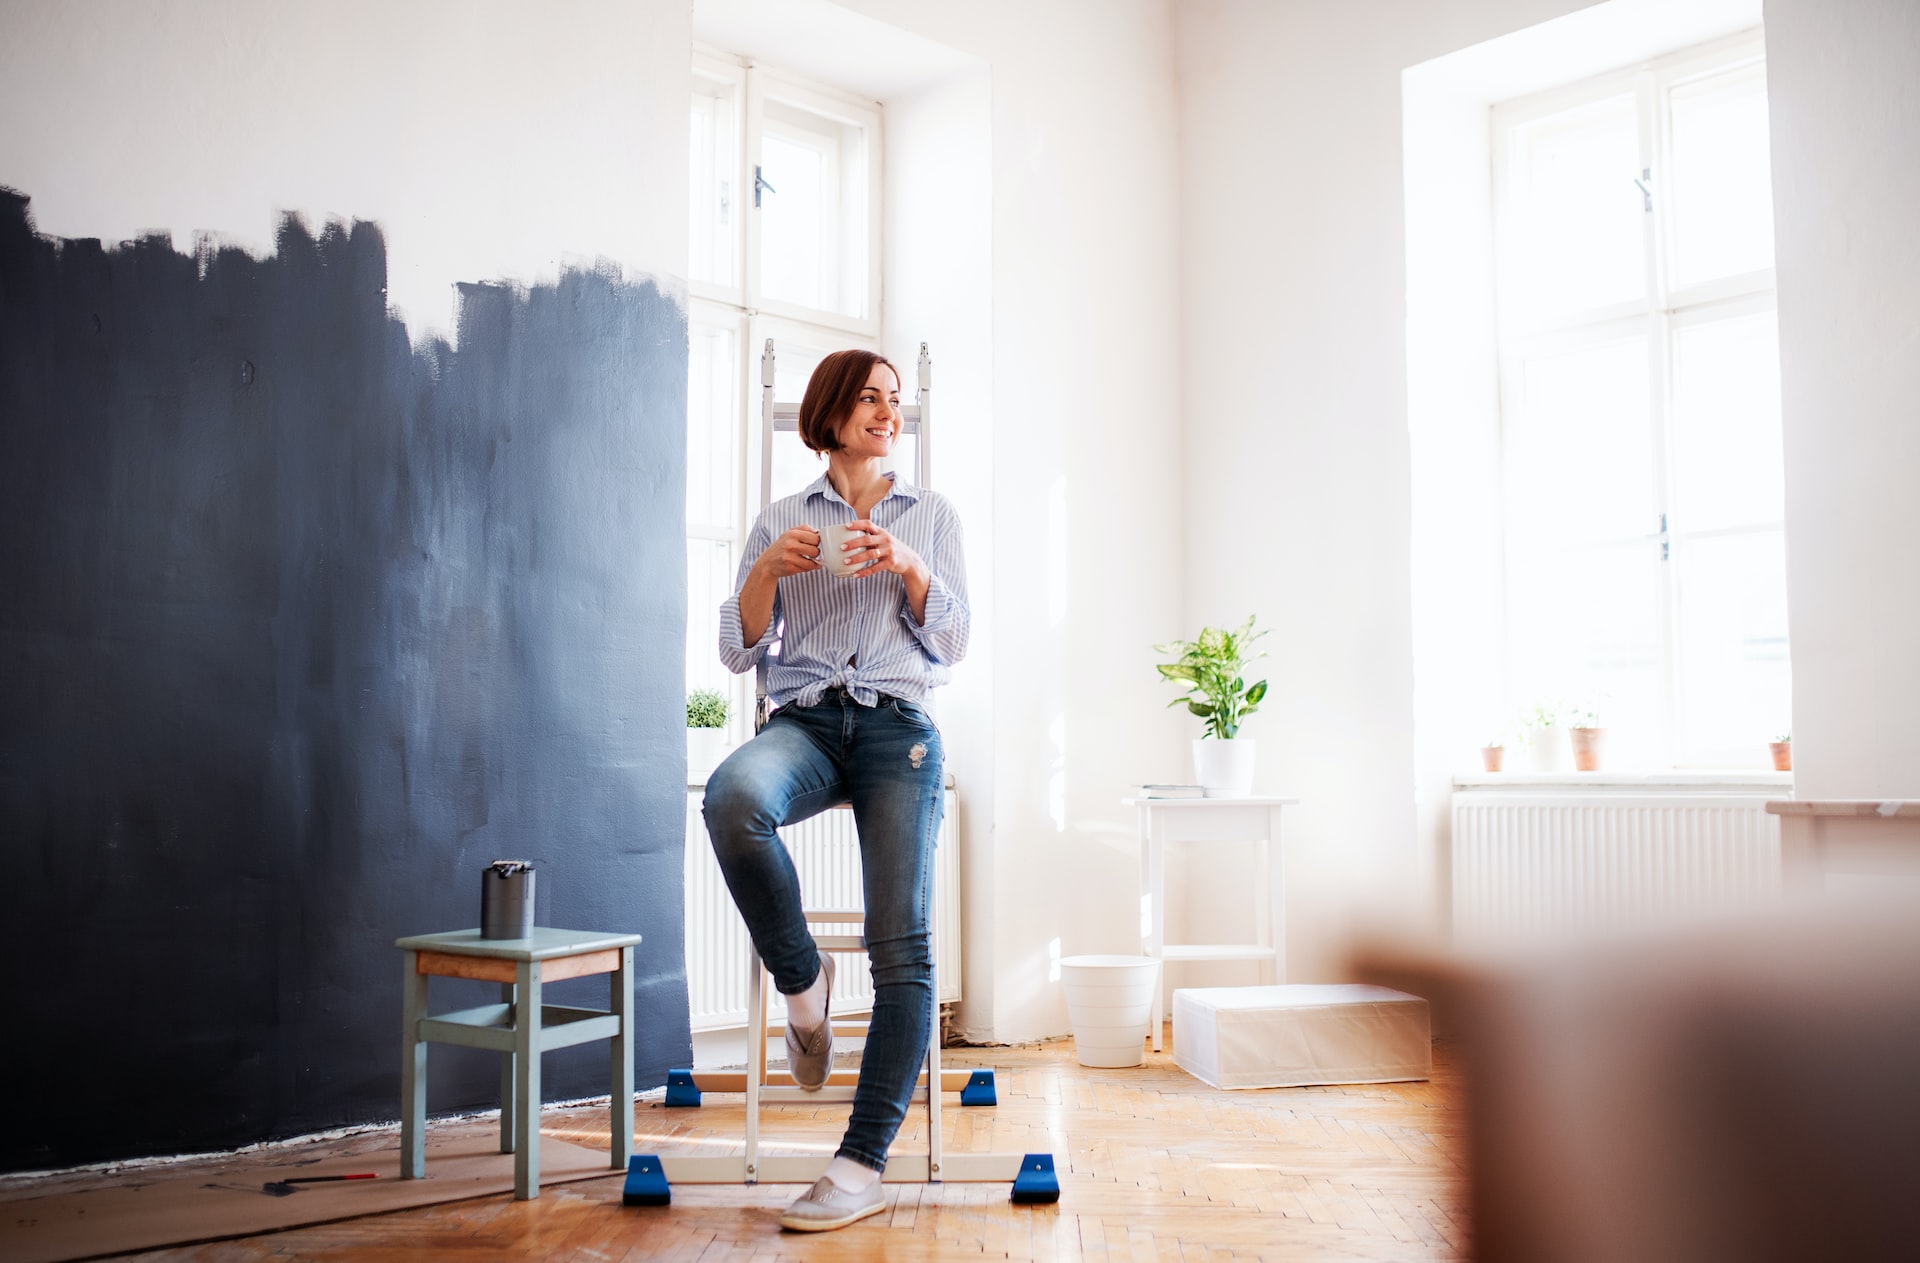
(869, 431)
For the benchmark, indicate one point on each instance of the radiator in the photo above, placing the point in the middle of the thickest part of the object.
(1532, 865)
(827, 856)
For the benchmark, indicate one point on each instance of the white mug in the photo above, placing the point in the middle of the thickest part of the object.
(832, 536)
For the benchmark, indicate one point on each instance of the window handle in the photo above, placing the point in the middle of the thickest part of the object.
(759, 183)
(1645, 185)
(1666, 545)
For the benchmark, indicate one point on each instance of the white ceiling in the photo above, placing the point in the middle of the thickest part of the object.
(826, 42)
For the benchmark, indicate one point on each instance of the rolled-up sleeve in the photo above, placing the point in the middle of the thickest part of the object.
(735, 654)
(944, 633)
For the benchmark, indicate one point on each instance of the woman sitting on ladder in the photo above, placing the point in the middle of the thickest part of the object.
(857, 656)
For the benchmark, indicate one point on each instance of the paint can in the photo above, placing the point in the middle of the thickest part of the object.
(506, 899)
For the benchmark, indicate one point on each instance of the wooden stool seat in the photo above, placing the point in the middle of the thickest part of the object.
(519, 1028)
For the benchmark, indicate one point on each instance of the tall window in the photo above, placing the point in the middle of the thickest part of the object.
(783, 244)
(1640, 406)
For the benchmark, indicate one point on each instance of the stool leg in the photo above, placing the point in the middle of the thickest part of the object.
(507, 1060)
(621, 1122)
(413, 1070)
(526, 1056)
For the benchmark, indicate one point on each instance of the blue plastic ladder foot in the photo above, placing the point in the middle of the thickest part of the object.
(979, 1089)
(681, 1090)
(647, 1183)
(1036, 1182)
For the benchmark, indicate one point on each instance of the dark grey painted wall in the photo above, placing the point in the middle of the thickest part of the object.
(299, 627)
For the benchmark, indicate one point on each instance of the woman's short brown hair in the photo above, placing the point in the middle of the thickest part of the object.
(831, 393)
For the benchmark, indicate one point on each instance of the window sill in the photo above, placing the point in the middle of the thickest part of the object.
(1703, 781)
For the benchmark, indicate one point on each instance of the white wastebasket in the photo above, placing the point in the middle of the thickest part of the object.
(1110, 1003)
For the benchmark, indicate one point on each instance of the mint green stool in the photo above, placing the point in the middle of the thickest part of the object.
(519, 1028)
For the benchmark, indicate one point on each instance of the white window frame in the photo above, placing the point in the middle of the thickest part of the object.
(739, 304)
(1655, 316)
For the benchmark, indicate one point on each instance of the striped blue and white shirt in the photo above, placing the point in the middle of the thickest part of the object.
(857, 633)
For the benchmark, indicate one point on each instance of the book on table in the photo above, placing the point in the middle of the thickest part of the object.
(1168, 791)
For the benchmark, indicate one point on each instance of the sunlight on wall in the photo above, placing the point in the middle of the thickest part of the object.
(1057, 771)
(1057, 552)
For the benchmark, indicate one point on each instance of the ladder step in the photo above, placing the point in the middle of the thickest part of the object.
(962, 1081)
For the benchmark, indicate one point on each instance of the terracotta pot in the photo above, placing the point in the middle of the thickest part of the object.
(1782, 755)
(1492, 756)
(1586, 748)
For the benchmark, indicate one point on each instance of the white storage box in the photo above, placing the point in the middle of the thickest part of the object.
(1300, 1034)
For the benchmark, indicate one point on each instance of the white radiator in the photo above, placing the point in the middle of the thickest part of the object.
(1532, 865)
(827, 856)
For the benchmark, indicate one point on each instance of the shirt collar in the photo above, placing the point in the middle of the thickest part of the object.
(823, 487)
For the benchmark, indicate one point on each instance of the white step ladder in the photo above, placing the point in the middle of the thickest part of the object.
(650, 1177)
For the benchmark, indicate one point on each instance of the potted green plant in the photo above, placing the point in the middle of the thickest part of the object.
(707, 711)
(1211, 670)
(1782, 748)
(1493, 754)
(1587, 736)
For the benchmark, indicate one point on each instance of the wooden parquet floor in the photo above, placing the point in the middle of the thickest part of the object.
(1154, 1165)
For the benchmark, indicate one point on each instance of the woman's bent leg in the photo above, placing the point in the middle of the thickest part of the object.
(780, 776)
(894, 778)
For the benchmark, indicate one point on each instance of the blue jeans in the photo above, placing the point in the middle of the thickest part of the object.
(886, 761)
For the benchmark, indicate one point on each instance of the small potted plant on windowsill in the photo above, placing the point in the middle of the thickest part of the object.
(706, 733)
(1209, 668)
(1493, 754)
(1782, 749)
(1588, 738)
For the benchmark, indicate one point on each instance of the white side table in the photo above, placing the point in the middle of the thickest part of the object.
(1164, 820)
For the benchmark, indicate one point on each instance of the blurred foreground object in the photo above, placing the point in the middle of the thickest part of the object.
(1747, 1090)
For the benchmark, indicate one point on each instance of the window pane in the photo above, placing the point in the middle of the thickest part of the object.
(714, 157)
(1578, 230)
(1586, 631)
(1580, 448)
(1736, 688)
(797, 255)
(713, 476)
(1726, 425)
(813, 219)
(710, 567)
(1722, 180)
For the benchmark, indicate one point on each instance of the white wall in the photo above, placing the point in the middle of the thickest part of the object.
(939, 289)
(489, 140)
(1844, 88)
(1085, 520)
(1292, 244)
(1297, 488)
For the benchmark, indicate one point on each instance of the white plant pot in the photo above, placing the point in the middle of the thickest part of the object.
(1547, 749)
(706, 749)
(1224, 768)
(1110, 1004)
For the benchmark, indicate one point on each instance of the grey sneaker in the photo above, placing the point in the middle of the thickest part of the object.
(827, 1206)
(810, 1054)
